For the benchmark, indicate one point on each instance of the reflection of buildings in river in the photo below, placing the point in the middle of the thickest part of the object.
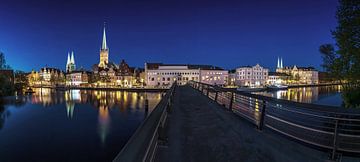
(305, 94)
(104, 123)
(44, 96)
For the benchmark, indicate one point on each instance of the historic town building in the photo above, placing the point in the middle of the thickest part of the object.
(214, 75)
(77, 78)
(163, 75)
(110, 74)
(276, 78)
(251, 76)
(46, 77)
(299, 75)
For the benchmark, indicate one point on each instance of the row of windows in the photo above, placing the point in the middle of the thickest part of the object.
(254, 77)
(173, 73)
(254, 73)
(169, 79)
(214, 73)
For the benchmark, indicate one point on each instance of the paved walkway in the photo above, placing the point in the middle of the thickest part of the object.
(201, 130)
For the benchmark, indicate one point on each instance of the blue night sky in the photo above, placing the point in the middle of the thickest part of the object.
(218, 32)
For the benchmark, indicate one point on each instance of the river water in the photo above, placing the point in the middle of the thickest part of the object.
(76, 125)
(323, 95)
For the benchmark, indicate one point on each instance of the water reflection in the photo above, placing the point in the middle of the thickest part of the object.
(308, 94)
(99, 122)
(102, 100)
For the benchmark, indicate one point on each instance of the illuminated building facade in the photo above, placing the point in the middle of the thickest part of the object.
(214, 76)
(46, 77)
(251, 76)
(77, 78)
(277, 78)
(163, 75)
(299, 75)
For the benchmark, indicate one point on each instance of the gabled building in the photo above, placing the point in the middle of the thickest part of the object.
(299, 75)
(77, 78)
(50, 77)
(251, 76)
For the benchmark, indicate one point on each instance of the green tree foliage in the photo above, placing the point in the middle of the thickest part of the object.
(343, 63)
(3, 65)
(6, 86)
(21, 80)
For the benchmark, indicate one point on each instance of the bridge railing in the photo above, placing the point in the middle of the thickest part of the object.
(143, 144)
(334, 129)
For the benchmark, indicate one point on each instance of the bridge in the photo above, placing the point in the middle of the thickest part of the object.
(201, 122)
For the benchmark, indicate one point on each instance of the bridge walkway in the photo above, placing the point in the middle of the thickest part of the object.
(199, 129)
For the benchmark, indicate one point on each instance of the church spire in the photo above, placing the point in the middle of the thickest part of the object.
(278, 63)
(68, 59)
(281, 63)
(72, 58)
(104, 45)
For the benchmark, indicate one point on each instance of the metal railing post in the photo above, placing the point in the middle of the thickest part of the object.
(262, 117)
(333, 153)
(216, 95)
(231, 101)
(207, 91)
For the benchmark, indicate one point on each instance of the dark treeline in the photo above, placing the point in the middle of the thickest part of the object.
(342, 60)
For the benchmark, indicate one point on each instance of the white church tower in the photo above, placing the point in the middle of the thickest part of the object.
(70, 64)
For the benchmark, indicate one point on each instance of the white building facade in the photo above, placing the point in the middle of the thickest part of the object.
(214, 76)
(77, 78)
(163, 75)
(251, 76)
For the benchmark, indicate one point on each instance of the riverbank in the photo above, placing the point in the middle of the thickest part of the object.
(312, 85)
(106, 89)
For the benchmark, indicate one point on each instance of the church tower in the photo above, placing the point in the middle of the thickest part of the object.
(70, 64)
(104, 52)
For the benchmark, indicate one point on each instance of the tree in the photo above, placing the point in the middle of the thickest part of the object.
(343, 63)
(3, 65)
(6, 86)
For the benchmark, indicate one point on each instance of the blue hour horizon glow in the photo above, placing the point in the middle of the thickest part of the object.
(222, 33)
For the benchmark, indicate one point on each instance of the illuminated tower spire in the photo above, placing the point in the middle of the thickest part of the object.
(104, 45)
(278, 63)
(72, 58)
(68, 60)
(281, 63)
(104, 52)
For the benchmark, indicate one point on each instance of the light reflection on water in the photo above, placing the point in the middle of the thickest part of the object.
(99, 122)
(325, 95)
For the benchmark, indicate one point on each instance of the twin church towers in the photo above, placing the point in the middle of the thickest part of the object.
(104, 56)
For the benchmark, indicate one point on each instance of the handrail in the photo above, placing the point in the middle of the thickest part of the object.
(326, 108)
(143, 143)
(328, 127)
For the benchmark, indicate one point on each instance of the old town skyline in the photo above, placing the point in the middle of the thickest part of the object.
(136, 39)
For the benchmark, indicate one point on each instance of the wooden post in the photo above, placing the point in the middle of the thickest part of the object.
(262, 117)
